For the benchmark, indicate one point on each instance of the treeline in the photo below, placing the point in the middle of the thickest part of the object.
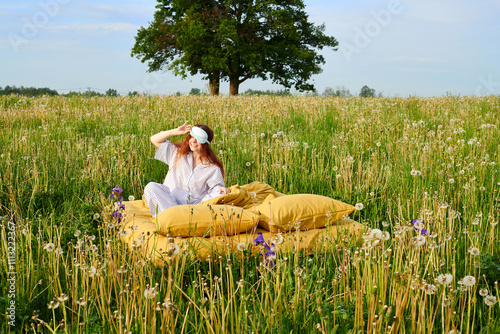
(33, 91)
(279, 92)
(344, 92)
(28, 91)
(248, 92)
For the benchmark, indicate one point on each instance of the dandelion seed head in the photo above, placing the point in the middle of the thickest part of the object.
(122, 270)
(277, 239)
(62, 298)
(375, 233)
(81, 302)
(415, 172)
(53, 305)
(241, 246)
(49, 247)
(173, 249)
(297, 224)
(419, 240)
(359, 206)
(150, 293)
(429, 289)
(79, 244)
(483, 292)
(468, 281)
(131, 198)
(490, 300)
(474, 251)
(92, 271)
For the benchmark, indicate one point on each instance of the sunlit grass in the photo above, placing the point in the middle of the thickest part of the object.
(431, 159)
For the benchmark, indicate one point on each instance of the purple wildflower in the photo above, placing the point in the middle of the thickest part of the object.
(418, 225)
(119, 206)
(270, 254)
(117, 215)
(416, 221)
(259, 240)
(117, 191)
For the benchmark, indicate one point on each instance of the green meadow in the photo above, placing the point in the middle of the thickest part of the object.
(422, 171)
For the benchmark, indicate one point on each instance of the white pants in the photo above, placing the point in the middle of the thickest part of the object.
(158, 198)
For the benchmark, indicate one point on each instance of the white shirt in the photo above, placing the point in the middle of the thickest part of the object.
(188, 185)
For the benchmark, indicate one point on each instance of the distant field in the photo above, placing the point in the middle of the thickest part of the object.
(431, 159)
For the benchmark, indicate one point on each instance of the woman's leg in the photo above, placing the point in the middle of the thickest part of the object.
(158, 198)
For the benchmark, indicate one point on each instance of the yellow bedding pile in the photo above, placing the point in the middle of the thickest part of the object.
(231, 222)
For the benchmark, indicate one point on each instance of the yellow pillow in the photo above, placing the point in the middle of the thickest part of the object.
(300, 211)
(205, 220)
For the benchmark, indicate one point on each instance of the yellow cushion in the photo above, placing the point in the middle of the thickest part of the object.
(301, 211)
(205, 220)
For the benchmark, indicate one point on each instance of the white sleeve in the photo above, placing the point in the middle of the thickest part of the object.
(166, 153)
(214, 183)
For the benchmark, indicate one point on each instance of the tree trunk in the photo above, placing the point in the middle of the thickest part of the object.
(234, 84)
(214, 82)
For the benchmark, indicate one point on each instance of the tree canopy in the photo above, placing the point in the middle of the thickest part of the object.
(367, 91)
(234, 40)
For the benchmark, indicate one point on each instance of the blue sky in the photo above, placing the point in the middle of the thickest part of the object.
(397, 47)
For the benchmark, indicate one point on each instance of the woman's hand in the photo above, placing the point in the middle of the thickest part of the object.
(160, 137)
(224, 191)
(184, 128)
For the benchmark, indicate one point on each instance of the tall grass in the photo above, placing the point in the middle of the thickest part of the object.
(430, 160)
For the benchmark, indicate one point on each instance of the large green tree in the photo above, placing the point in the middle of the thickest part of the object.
(234, 40)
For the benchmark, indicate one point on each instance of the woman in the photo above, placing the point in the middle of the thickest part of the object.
(195, 173)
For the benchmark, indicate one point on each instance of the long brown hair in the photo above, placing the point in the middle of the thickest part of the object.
(207, 154)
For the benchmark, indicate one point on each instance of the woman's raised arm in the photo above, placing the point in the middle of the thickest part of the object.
(160, 137)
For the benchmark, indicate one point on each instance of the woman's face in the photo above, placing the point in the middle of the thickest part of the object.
(194, 145)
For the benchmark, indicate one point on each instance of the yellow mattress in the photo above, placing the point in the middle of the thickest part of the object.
(230, 223)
